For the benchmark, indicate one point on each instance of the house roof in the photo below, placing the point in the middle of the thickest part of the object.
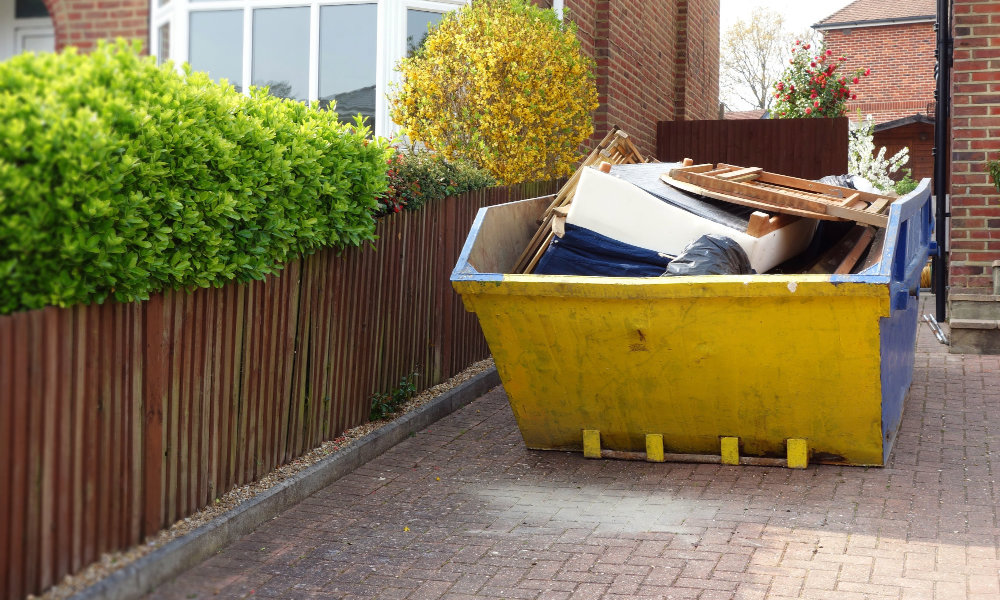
(917, 118)
(868, 13)
(744, 114)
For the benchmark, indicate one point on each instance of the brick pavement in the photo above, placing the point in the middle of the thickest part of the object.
(463, 510)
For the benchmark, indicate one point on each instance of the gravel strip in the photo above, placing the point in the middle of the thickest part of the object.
(113, 561)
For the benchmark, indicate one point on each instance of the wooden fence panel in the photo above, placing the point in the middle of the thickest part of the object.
(806, 148)
(118, 419)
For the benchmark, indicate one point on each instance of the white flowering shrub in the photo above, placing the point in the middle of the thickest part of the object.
(864, 162)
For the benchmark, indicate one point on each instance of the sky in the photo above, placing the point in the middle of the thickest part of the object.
(798, 15)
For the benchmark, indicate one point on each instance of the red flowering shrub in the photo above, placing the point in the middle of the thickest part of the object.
(418, 177)
(812, 87)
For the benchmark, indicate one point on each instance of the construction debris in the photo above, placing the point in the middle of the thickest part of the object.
(616, 148)
(618, 204)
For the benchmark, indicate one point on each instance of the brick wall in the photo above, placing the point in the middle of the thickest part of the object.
(975, 222)
(901, 58)
(701, 92)
(656, 60)
(81, 23)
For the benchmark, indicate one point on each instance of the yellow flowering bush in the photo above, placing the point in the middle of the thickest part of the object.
(501, 83)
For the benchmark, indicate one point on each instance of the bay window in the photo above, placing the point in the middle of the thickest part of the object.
(323, 51)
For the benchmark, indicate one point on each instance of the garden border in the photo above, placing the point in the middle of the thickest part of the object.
(163, 564)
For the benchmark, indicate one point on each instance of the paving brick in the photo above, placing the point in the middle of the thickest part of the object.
(508, 522)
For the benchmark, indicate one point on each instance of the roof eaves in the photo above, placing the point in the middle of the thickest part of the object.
(917, 118)
(875, 22)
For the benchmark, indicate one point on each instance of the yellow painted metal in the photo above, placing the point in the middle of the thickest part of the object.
(592, 443)
(798, 454)
(654, 447)
(694, 358)
(730, 450)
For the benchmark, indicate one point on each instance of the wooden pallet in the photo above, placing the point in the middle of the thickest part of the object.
(760, 189)
(616, 148)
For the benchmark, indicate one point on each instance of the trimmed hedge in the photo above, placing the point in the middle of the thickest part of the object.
(416, 178)
(120, 177)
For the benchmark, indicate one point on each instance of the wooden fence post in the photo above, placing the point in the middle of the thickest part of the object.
(153, 395)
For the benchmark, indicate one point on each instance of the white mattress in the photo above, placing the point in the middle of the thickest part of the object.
(624, 212)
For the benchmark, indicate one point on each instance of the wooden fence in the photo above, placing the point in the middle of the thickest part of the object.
(806, 148)
(118, 419)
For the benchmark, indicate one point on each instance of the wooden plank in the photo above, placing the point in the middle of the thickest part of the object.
(307, 322)
(855, 252)
(6, 449)
(174, 405)
(762, 206)
(229, 306)
(845, 253)
(761, 223)
(880, 205)
(137, 423)
(185, 382)
(206, 462)
(104, 432)
(17, 585)
(36, 416)
(849, 200)
(295, 369)
(79, 374)
(817, 187)
(874, 255)
(213, 363)
(91, 434)
(746, 174)
(113, 434)
(235, 397)
(250, 364)
(765, 197)
(51, 375)
(861, 216)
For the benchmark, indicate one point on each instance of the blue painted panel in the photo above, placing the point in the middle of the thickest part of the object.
(898, 337)
(906, 247)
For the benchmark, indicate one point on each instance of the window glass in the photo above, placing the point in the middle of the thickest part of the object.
(347, 47)
(217, 44)
(163, 43)
(281, 51)
(29, 9)
(417, 24)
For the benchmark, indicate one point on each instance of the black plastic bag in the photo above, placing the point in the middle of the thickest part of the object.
(711, 255)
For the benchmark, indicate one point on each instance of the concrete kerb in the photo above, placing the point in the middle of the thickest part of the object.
(142, 576)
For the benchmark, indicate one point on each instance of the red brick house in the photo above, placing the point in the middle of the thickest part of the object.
(895, 39)
(656, 60)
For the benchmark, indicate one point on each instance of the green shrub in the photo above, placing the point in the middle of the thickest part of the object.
(906, 183)
(385, 405)
(503, 83)
(122, 178)
(418, 177)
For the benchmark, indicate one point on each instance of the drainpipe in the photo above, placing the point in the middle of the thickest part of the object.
(942, 149)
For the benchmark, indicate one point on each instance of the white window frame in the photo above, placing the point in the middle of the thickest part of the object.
(390, 38)
(13, 30)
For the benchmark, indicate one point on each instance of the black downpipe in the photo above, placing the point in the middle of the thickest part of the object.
(942, 149)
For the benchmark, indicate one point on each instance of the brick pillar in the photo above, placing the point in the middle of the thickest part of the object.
(81, 23)
(680, 49)
(975, 138)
